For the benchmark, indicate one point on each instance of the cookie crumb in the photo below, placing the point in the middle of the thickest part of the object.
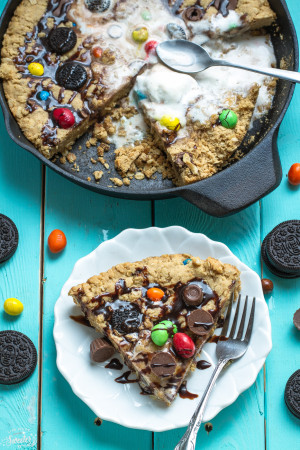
(98, 174)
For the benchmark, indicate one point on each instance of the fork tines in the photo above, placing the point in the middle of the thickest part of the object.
(239, 335)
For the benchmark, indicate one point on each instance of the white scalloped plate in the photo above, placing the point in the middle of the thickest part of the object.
(123, 404)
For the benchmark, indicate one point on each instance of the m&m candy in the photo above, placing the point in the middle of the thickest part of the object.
(36, 69)
(228, 118)
(155, 294)
(57, 241)
(161, 332)
(150, 47)
(172, 123)
(13, 306)
(184, 345)
(64, 117)
(43, 95)
(140, 34)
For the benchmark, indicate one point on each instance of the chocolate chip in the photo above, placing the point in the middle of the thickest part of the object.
(9, 238)
(163, 364)
(71, 76)
(97, 5)
(292, 394)
(61, 40)
(194, 13)
(296, 319)
(267, 285)
(18, 357)
(101, 350)
(199, 322)
(192, 295)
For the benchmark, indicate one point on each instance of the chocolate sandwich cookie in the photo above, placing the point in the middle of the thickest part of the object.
(9, 238)
(296, 319)
(18, 357)
(281, 249)
(292, 394)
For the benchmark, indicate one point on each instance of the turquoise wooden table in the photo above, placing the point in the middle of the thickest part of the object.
(43, 412)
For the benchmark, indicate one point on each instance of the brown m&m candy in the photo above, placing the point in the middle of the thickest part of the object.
(192, 295)
(163, 364)
(101, 350)
(199, 322)
(296, 319)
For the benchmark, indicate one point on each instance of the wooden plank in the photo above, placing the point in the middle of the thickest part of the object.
(283, 204)
(241, 425)
(20, 197)
(87, 219)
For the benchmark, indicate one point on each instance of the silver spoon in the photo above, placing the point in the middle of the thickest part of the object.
(188, 57)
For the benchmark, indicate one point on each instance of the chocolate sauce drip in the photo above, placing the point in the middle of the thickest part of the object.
(224, 6)
(184, 393)
(81, 319)
(114, 364)
(215, 339)
(202, 364)
(123, 379)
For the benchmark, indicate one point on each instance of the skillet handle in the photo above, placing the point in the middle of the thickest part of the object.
(254, 176)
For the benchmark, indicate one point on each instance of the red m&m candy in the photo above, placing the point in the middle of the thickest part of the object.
(184, 345)
(150, 47)
(64, 117)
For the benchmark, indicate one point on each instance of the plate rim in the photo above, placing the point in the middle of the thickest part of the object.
(218, 408)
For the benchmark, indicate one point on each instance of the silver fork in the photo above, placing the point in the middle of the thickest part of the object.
(227, 351)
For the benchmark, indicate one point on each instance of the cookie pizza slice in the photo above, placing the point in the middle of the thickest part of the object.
(158, 313)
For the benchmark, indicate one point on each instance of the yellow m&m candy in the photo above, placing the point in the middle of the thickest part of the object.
(36, 69)
(13, 306)
(172, 123)
(140, 34)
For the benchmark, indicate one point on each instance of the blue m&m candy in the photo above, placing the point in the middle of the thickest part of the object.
(43, 95)
(140, 95)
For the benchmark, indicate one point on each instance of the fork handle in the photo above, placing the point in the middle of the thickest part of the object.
(188, 440)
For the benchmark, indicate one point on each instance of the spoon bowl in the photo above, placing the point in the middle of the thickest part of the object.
(187, 57)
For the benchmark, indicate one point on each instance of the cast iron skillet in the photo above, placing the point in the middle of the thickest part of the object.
(236, 187)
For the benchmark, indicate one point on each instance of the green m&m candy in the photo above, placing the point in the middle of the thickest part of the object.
(228, 118)
(161, 332)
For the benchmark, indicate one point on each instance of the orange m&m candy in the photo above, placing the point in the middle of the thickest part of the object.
(155, 294)
(97, 52)
(57, 241)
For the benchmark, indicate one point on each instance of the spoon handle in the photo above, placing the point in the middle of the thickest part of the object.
(288, 75)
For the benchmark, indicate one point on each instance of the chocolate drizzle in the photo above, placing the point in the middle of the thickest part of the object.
(202, 364)
(184, 393)
(114, 364)
(124, 378)
(81, 319)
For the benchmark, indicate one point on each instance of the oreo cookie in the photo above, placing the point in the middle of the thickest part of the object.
(281, 249)
(18, 357)
(97, 5)
(9, 238)
(292, 394)
(71, 76)
(61, 40)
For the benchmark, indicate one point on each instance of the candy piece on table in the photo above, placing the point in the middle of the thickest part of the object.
(186, 261)
(115, 31)
(140, 34)
(155, 294)
(175, 31)
(267, 285)
(171, 327)
(9, 238)
(101, 350)
(200, 322)
(163, 364)
(43, 95)
(13, 306)
(64, 117)
(172, 123)
(62, 40)
(71, 75)
(192, 295)
(228, 118)
(291, 393)
(140, 95)
(296, 319)
(294, 174)
(150, 47)
(97, 5)
(20, 357)
(184, 345)
(57, 241)
(36, 69)
(97, 52)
